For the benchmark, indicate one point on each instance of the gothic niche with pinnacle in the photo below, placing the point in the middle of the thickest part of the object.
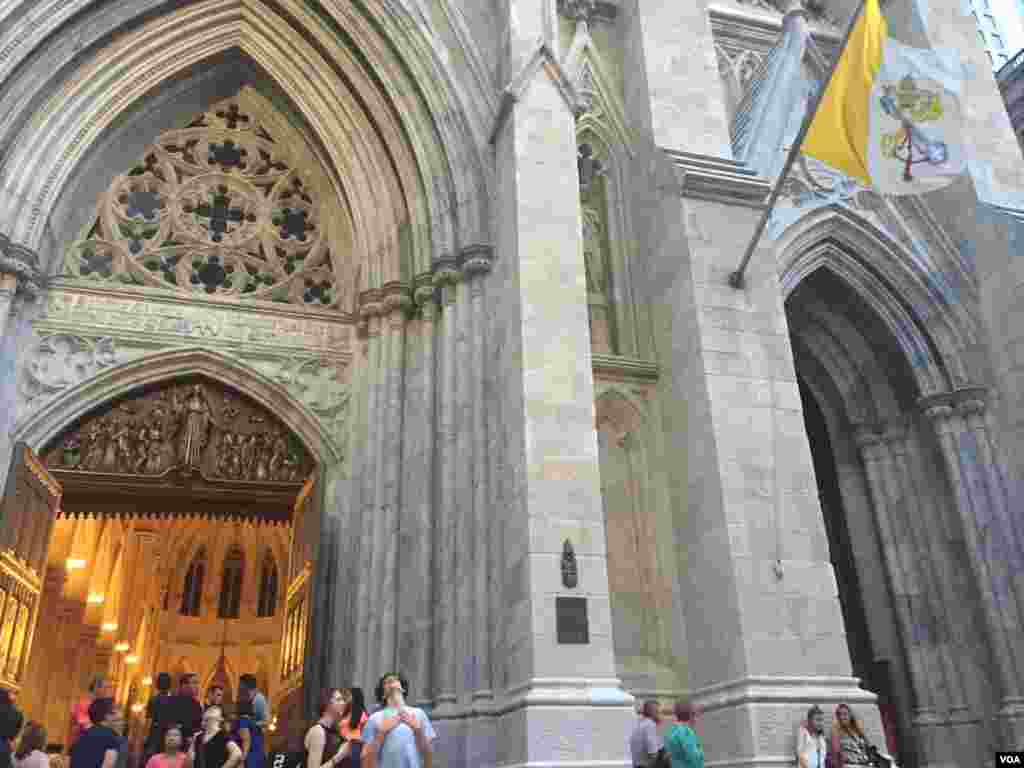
(214, 208)
(191, 427)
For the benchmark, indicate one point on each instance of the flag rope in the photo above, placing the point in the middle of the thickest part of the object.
(736, 279)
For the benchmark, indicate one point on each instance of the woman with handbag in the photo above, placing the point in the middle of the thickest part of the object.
(850, 745)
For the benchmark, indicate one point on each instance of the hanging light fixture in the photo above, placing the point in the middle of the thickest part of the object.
(122, 647)
(74, 564)
(110, 626)
(96, 599)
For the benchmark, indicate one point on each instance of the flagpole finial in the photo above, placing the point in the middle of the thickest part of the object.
(736, 280)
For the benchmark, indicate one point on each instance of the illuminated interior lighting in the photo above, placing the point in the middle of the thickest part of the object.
(147, 681)
(110, 626)
(122, 647)
(74, 564)
(96, 599)
(131, 659)
(136, 708)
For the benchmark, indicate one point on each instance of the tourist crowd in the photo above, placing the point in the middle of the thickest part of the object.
(184, 733)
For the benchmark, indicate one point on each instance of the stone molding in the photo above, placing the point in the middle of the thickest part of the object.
(86, 335)
(966, 401)
(23, 263)
(781, 690)
(626, 367)
(542, 58)
(714, 178)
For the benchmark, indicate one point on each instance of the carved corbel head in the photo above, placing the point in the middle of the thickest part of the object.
(19, 269)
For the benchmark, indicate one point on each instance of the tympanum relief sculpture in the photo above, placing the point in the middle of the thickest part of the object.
(192, 427)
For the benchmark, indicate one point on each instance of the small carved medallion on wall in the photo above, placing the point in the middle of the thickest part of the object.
(192, 426)
(570, 572)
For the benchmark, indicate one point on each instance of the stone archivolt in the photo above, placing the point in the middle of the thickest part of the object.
(214, 208)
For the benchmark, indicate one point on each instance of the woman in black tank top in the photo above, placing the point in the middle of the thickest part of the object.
(212, 748)
(323, 744)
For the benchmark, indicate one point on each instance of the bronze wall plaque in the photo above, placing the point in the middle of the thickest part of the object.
(572, 625)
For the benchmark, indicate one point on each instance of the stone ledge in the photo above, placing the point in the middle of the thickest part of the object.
(719, 179)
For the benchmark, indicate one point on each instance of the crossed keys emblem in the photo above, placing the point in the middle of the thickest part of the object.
(910, 144)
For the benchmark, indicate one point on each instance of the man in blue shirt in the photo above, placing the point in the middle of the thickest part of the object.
(397, 736)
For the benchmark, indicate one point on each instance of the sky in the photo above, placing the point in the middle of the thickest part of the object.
(1009, 14)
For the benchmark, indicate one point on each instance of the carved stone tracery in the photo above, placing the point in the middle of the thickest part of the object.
(193, 427)
(215, 208)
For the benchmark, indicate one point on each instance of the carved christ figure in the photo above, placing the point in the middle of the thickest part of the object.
(195, 427)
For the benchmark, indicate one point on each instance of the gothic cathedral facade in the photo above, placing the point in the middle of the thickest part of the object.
(433, 296)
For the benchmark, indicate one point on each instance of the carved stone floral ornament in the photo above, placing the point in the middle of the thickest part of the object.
(188, 427)
(214, 208)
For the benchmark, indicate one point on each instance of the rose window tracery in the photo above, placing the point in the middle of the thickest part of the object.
(216, 209)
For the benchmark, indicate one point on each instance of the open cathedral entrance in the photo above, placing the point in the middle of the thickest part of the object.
(173, 529)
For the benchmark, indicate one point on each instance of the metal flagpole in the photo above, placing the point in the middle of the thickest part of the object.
(736, 278)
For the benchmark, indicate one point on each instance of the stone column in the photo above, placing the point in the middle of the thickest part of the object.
(446, 276)
(970, 505)
(563, 703)
(973, 409)
(939, 589)
(476, 266)
(397, 303)
(889, 503)
(416, 607)
(370, 465)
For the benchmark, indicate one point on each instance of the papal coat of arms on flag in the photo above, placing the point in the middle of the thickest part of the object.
(891, 115)
(916, 136)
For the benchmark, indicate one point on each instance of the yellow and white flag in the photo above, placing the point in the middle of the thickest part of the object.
(891, 115)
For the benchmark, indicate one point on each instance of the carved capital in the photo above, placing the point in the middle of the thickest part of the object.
(23, 263)
(397, 301)
(424, 293)
(477, 260)
(971, 408)
(371, 304)
(446, 272)
(940, 414)
(894, 435)
(868, 440)
(587, 11)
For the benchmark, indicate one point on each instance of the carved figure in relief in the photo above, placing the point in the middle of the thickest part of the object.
(262, 457)
(278, 457)
(593, 256)
(155, 451)
(195, 427)
(96, 440)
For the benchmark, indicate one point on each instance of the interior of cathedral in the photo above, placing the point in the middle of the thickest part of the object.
(177, 545)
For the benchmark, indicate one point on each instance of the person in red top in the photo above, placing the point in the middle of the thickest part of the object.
(100, 688)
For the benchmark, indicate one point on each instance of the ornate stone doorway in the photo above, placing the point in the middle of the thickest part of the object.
(185, 540)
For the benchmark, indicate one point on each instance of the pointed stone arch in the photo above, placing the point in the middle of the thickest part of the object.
(937, 334)
(44, 425)
(410, 162)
